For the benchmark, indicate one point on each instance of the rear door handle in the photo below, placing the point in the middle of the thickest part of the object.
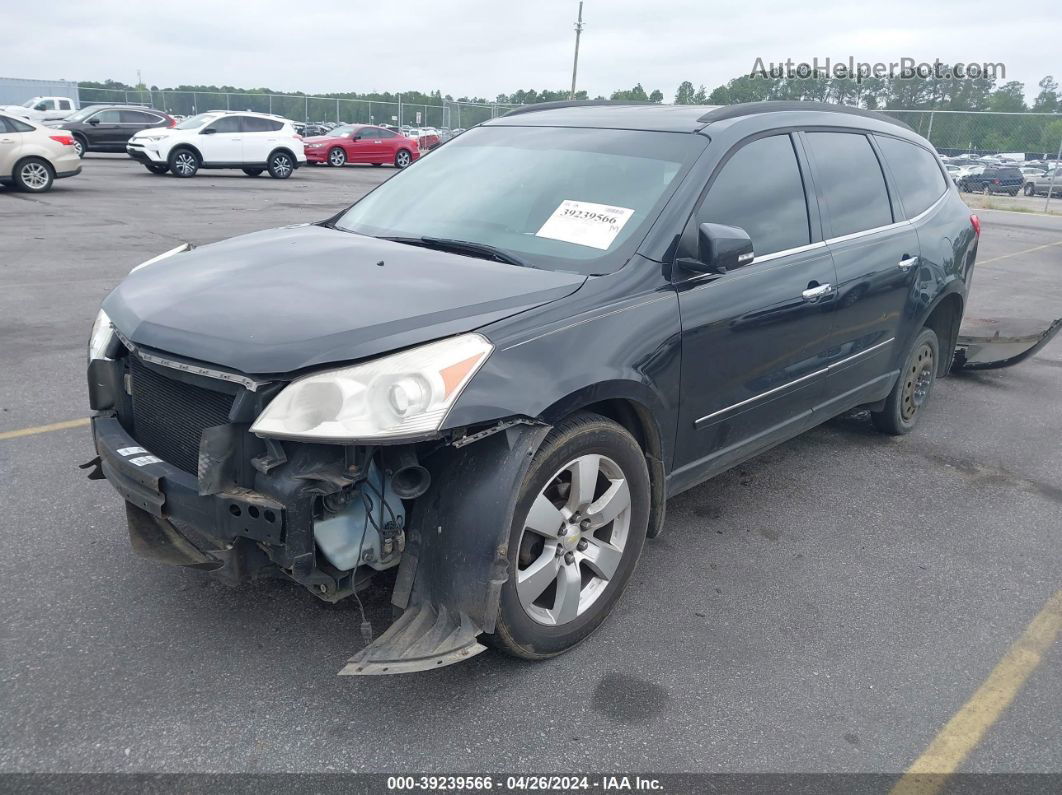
(907, 263)
(814, 294)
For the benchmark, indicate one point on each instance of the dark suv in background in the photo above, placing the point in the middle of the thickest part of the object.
(994, 179)
(107, 128)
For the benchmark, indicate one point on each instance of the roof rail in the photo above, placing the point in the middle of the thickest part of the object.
(571, 103)
(772, 106)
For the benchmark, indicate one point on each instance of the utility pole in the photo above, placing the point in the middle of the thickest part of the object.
(575, 63)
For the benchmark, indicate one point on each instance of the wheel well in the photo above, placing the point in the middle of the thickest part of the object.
(187, 147)
(81, 137)
(287, 151)
(944, 320)
(22, 160)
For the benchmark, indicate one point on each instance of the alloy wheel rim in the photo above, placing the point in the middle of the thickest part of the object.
(336, 158)
(573, 540)
(403, 159)
(34, 175)
(281, 166)
(79, 148)
(919, 378)
(184, 163)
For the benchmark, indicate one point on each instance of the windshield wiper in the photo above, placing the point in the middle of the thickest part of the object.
(483, 250)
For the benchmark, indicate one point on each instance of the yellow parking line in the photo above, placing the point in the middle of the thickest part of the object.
(55, 426)
(1019, 253)
(964, 731)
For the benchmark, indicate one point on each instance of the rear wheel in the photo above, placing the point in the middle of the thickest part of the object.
(253, 172)
(337, 157)
(34, 175)
(911, 391)
(281, 165)
(183, 163)
(1030, 189)
(157, 168)
(403, 158)
(580, 522)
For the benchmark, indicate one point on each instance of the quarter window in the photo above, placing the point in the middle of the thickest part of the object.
(916, 173)
(760, 190)
(850, 181)
(14, 125)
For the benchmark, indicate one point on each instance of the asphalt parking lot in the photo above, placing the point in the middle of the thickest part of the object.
(828, 606)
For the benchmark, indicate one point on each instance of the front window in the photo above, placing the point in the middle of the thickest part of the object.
(195, 122)
(83, 114)
(567, 199)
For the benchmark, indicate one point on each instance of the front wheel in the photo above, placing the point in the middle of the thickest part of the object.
(403, 158)
(281, 165)
(337, 157)
(183, 163)
(578, 529)
(911, 391)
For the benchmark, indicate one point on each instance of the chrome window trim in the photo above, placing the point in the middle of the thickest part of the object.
(825, 370)
(786, 252)
(894, 225)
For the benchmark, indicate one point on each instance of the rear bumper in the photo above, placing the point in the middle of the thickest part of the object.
(69, 173)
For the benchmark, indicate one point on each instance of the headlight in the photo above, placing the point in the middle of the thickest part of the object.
(314, 146)
(150, 137)
(101, 337)
(179, 249)
(399, 395)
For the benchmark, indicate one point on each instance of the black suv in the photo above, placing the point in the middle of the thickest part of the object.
(994, 179)
(107, 128)
(489, 374)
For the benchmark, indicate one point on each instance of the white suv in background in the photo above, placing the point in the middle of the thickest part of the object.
(253, 142)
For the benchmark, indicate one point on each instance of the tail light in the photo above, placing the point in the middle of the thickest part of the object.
(297, 137)
(65, 140)
(173, 123)
(975, 222)
(995, 182)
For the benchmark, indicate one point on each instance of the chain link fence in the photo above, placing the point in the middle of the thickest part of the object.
(305, 108)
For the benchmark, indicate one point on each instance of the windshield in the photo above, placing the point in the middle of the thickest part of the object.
(29, 103)
(568, 199)
(194, 122)
(84, 113)
(341, 131)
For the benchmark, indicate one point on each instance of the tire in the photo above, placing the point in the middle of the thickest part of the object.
(403, 158)
(253, 172)
(184, 163)
(157, 168)
(583, 568)
(987, 191)
(1030, 189)
(337, 157)
(80, 145)
(281, 165)
(33, 175)
(912, 389)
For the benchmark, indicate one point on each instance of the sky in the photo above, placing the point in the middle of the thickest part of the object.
(483, 48)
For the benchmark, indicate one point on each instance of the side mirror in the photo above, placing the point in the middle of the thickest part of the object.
(720, 249)
(93, 122)
(208, 131)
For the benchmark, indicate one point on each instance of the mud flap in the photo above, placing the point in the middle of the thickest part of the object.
(423, 637)
(989, 344)
(456, 559)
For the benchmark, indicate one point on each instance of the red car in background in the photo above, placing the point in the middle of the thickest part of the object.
(361, 143)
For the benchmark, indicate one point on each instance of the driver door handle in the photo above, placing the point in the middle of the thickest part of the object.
(907, 263)
(814, 294)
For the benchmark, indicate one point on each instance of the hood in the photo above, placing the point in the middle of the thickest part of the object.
(286, 299)
(155, 132)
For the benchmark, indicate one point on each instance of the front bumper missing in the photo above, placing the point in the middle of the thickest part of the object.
(990, 344)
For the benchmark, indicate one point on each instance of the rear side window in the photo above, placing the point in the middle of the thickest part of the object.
(760, 190)
(107, 117)
(851, 182)
(13, 125)
(255, 124)
(916, 174)
(381, 133)
(64, 104)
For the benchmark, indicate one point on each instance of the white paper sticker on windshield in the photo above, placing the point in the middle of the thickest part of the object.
(585, 223)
